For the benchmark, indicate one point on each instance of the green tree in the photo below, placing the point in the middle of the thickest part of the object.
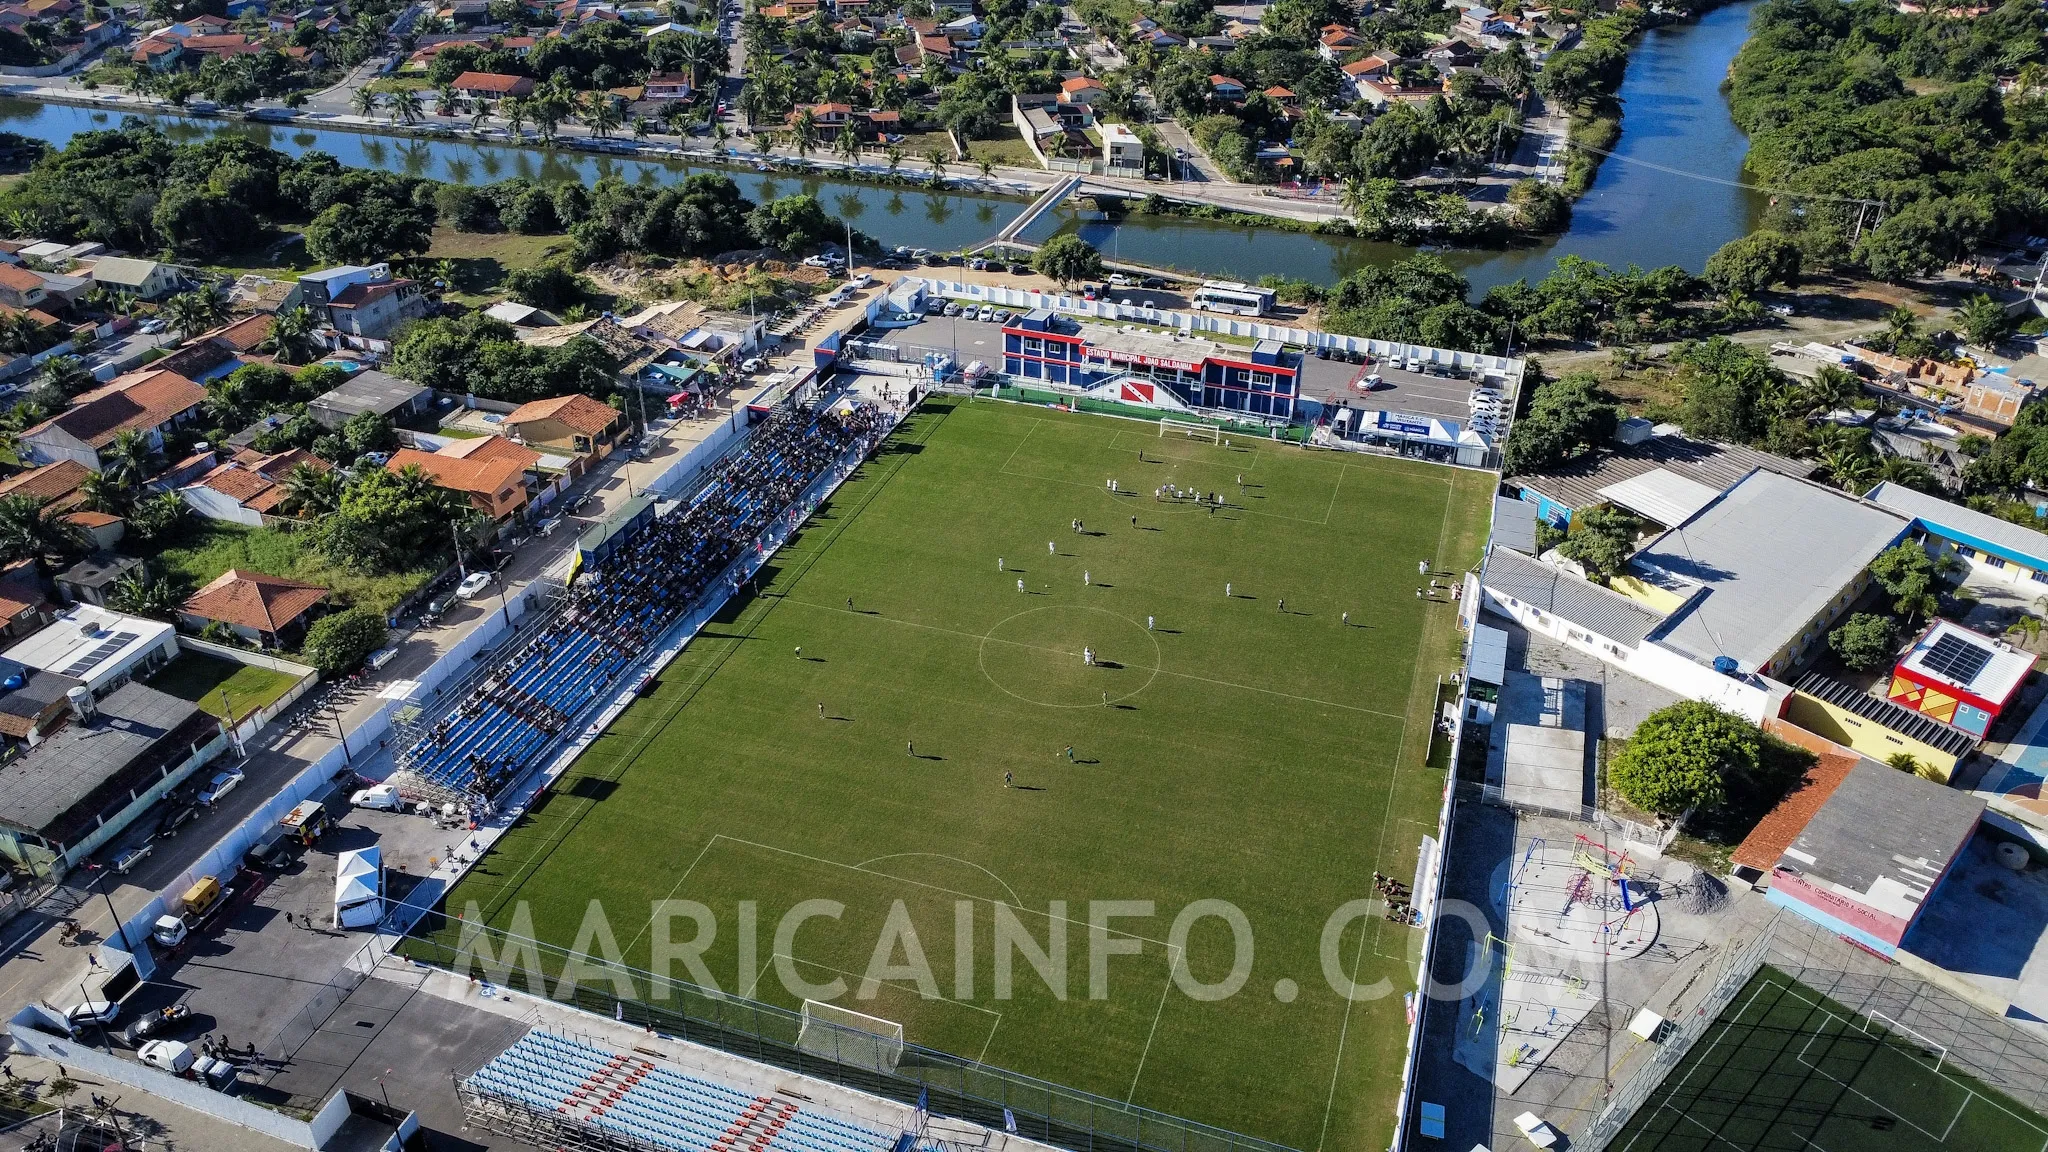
(1754, 263)
(1567, 418)
(291, 336)
(128, 457)
(1865, 640)
(1603, 537)
(338, 643)
(349, 233)
(144, 594)
(31, 530)
(1911, 577)
(1067, 260)
(157, 518)
(1983, 320)
(1680, 757)
(796, 223)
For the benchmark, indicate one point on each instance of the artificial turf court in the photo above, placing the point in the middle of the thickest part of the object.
(1273, 759)
(1786, 1069)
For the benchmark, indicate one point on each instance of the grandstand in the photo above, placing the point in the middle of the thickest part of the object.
(551, 1091)
(620, 605)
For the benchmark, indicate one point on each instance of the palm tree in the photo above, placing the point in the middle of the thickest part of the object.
(1832, 387)
(848, 144)
(1848, 467)
(128, 457)
(182, 312)
(67, 375)
(601, 113)
(446, 102)
(105, 492)
(291, 336)
(697, 52)
(405, 106)
(640, 127)
(1908, 474)
(514, 111)
(547, 111)
(311, 491)
(1900, 324)
(894, 156)
(140, 594)
(804, 133)
(719, 135)
(764, 142)
(363, 102)
(937, 160)
(479, 118)
(31, 530)
(987, 167)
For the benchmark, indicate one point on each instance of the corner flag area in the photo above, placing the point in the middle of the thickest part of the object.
(992, 754)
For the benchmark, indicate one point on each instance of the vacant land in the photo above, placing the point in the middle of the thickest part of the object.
(217, 685)
(893, 727)
(211, 547)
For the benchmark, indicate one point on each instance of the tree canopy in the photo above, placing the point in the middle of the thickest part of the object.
(1680, 757)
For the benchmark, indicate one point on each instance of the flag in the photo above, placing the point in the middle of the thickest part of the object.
(1009, 1122)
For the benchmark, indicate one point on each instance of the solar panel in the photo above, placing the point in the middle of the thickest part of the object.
(1956, 658)
(100, 653)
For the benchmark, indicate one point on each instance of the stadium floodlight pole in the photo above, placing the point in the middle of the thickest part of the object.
(120, 930)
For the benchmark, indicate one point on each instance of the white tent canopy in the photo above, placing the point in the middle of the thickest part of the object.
(359, 888)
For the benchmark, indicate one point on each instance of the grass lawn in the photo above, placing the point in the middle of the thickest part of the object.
(1008, 148)
(483, 258)
(1785, 1067)
(202, 679)
(265, 257)
(211, 547)
(1240, 750)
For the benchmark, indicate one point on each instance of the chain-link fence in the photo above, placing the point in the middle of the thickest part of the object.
(948, 1085)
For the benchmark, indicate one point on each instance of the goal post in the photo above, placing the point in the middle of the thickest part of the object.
(1190, 429)
(850, 1037)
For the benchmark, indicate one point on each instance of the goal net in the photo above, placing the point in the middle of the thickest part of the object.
(1190, 430)
(850, 1037)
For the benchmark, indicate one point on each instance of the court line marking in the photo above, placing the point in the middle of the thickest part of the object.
(955, 859)
(1723, 1027)
(1969, 1094)
(1386, 820)
(1063, 652)
(1020, 445)
(1099, 488)
(1339, 487)
(986, 1042)
(1173, 965)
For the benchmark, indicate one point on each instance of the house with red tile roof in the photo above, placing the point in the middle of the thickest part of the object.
(267, 610)
(495, 487)
(575, 426)
(493, 85)
(151, 401)
(249, 489)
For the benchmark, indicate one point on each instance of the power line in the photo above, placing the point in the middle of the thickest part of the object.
(1764, 189)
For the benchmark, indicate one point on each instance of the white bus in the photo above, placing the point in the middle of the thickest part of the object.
(1234, 299)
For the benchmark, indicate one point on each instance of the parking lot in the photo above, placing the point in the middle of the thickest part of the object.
(254, 974)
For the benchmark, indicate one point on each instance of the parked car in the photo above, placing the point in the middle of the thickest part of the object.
(1375, 382)
(100, 1013)
(1002, 316)
(380, 798)
(273, 850)
(953, 308)
(1087, 291)
(154, 1025)
(175, 817)
(987, 312)
(752, 365)
(473, 585)
(1414, 364)
(1151, 282)
(217, 788)
(1119, 279)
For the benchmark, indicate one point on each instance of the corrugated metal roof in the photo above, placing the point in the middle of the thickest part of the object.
(1489, 654)
(1771, 552)
(1897, 717)
(1718, 466)
(1514, 524)
(1602, 612)
(2019, 542)
(1884, 837)
(1663, 496)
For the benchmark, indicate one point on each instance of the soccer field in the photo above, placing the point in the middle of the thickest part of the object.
(1786, 1069)
(893, 731)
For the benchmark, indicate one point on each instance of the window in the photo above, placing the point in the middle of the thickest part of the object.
(1033, 344)
(1995, 561)
(1262, 379)
(1966, 553)
(2040, 576)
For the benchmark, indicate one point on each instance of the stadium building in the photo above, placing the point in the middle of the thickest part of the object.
(1264, 379)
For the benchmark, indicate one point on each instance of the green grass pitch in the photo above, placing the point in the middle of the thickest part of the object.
(1272, 759)
(1784, 1068)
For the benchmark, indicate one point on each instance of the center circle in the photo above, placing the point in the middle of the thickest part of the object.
(1038, 656)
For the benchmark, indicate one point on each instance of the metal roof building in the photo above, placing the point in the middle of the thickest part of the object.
(1867, 861)
(1581, 483)
(1535, 585)
(2007, 542)
(1759, 573)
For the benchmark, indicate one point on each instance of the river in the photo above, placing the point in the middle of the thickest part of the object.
(1674, 118)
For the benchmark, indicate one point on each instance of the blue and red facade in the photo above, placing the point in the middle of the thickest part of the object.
(1264, 379)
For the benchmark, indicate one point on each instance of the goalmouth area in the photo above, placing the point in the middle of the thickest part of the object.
(1107, 828)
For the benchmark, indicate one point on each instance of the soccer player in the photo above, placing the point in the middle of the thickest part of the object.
(1085, 579)
(1050, 550)
(1283, 603)
(1422, 567)
(1009, 781)
(821, 709)
(1020, 584)
(1226, 590)
(1148, 627)
(999, 564)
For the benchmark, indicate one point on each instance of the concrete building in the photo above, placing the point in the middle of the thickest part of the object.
(108, 762)
(1874, 849)
(101, 649)
(142, 279)
(266, 610)
(1262, 379)
(92, 579)
(1123, 154)
(1959, 677)
(1757, 576)
(575, 426)
(370, 391)
(151, 401)
(359, 301)
(1988, 547)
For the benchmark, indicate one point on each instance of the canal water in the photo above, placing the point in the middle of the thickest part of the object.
(1659, 200)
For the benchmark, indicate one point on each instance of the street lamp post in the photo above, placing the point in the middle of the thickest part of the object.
(334, 708)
